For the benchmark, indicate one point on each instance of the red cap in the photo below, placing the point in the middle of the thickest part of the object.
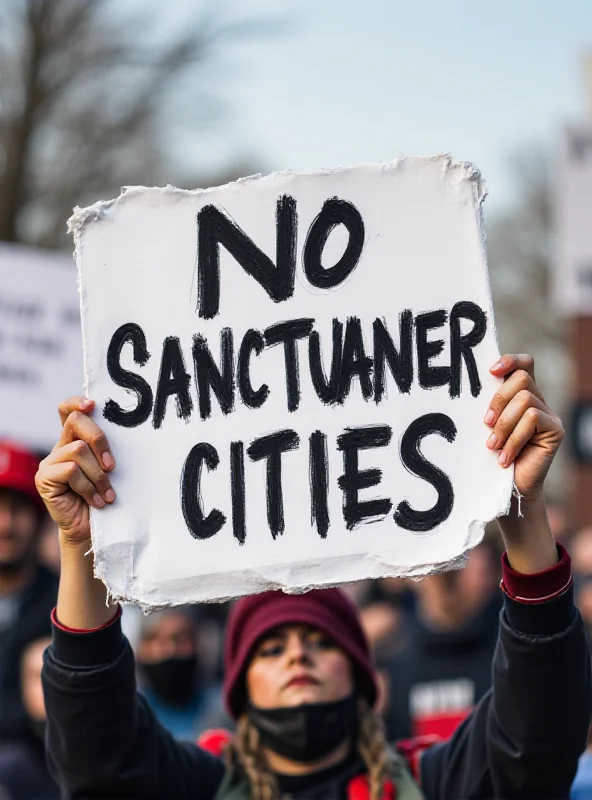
(328, 610)
(18, 468)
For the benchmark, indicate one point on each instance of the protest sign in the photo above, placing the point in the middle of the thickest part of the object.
(40, 348)
(572, 277)
(293, 373)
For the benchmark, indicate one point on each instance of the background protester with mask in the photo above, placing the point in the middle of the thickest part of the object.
(299, 678)
(28, 590)
(171, 678)
(443, 667)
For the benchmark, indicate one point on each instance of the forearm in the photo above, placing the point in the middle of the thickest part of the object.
(527, 536)
(82, 598)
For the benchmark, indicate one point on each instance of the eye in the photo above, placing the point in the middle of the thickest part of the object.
(320, 641)
(270, 648)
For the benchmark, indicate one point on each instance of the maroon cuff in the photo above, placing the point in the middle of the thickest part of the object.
(66, 629)
(540, 586)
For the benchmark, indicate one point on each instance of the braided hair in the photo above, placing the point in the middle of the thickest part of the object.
(246, 753)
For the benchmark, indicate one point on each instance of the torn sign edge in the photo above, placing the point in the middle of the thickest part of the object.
(124, 586)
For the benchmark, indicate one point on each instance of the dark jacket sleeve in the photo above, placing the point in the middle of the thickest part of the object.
(524, 738)
(103, 740)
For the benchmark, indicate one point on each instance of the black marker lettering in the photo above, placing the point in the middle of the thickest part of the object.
(319, 482)
(399, 363)
(461, 346)
(429, 376)
(216, 228)
(237, 490)
(271, 447)
(200, 527)
(326, 389)
(288, 333)
(415, 463)
(252, 342)
(172, 379)
(354, 479)
(209, 377)
(334, 212)
(354, 362)
(130, 332)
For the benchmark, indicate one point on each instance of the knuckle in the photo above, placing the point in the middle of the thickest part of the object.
(532, 413)
(524, 395)
(512, 443)
(502, 427)
(74, 417)
(72, 470)
(522, 377)
(79, 447)
(97, 439)
(498, 399)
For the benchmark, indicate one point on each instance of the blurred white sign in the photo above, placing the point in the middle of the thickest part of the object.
(40, 346)
(573, 273)
(293, 373)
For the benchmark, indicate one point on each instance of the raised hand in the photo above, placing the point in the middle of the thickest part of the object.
(524, 429)
(526, 433)
(74, 475)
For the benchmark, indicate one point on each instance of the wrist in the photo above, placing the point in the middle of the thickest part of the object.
(529, 543)
(72, 545)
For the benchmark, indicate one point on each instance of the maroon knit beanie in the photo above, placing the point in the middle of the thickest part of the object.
(328, 610)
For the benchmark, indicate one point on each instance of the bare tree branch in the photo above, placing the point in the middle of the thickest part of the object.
(81, 100)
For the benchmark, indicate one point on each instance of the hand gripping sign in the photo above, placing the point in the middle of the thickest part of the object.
(292, 371)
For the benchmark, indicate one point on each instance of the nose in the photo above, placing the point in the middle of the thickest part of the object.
(296, 650)
(6, 517)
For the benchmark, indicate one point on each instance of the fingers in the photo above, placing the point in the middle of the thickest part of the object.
(68, 475)
(509, 363)
(534, 421)
(519, 383)
(79, 453)
(76, 403)
(505, 428)
(79, 426)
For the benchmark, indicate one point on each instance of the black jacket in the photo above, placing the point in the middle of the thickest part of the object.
(437, 677)
(522, 741)
(32, 622)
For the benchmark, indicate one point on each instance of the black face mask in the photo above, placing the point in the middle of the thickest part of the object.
(307, 732)
(173, 680)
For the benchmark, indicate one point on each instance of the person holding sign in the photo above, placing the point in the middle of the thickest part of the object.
(299, 678)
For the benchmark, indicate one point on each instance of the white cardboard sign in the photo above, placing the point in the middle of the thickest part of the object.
(572, 284)
(293, 373)
(40, 349)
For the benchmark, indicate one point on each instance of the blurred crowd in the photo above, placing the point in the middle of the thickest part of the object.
(433, 640)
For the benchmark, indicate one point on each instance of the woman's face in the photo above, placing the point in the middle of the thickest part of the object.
(296, 664)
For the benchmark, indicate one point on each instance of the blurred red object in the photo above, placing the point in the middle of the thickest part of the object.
(214, 741)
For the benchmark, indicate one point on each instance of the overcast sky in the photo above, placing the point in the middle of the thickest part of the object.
(363, 80)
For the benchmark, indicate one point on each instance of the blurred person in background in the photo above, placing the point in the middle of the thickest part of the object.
(28, 590)
(443, 666)
(49, 546)
(23, 770)
(171, 677)
(558, 522)
(581, 544)
(582, 785)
